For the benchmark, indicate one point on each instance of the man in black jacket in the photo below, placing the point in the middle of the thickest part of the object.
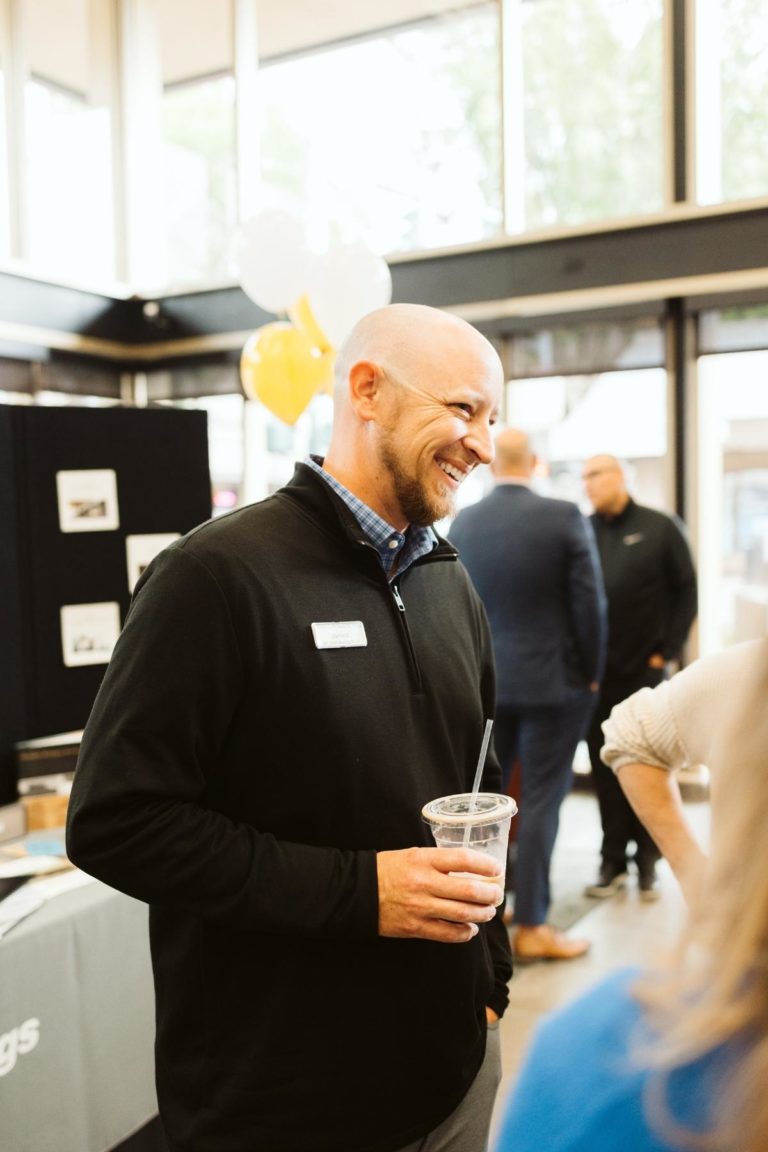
(293, 682)
(650, 584)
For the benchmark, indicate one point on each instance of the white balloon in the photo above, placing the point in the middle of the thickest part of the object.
(345, 283)
(272, 257)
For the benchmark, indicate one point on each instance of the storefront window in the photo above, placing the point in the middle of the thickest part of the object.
(571, 418)
(734, 329)
(199, 139)
(201, 182)
(586, 142)
(393, 139)
(587, 348)
(731, 99)
(46, 399)
(273, 448)
(733, 498)
(68, 97)
(5, 208)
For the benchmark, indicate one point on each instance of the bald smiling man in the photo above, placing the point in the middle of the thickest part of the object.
(293, 683)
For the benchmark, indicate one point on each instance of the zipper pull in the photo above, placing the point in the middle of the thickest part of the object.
(398, 600)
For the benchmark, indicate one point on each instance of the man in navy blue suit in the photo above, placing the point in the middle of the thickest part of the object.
(534, 563)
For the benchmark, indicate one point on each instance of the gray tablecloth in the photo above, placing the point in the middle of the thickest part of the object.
(76, 1025)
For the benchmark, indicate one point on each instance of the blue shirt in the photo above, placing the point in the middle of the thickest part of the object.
(397, 550)
(583, 1085)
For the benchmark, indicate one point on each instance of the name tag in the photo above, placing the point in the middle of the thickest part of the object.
(340, 634)
(634, 538)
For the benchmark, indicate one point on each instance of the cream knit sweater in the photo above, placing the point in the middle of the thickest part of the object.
(673, 726)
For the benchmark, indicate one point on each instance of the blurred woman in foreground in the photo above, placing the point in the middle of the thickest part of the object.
(675, 1058)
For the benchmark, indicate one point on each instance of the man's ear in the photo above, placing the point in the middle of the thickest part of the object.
(365, 382)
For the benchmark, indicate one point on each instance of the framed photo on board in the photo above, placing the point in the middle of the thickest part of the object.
(88, 500)
(141, 550)
(89, 632)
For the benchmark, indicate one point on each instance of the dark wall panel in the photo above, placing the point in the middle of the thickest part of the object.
(160, 457)
(694, 246)
(12, 670)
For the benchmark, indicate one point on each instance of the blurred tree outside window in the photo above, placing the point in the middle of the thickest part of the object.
(392, 139)
(592, 119)
(201, 179)
(196, 45)
(731, 99)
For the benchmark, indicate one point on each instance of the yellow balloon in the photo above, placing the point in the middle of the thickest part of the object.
(328, 360)
(279, 367)
(304, 318)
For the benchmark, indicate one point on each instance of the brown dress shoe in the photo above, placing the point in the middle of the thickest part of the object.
(541, 942)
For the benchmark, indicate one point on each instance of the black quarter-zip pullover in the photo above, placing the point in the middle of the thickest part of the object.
(650, 585)
(240, 779)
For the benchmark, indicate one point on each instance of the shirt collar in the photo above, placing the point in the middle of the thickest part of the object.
(397, 550)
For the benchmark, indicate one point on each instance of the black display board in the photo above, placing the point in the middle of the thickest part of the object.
(160, 460)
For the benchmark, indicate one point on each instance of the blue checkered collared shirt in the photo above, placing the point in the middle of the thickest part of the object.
(397, 550)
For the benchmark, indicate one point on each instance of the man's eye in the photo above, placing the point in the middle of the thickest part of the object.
(465, 408)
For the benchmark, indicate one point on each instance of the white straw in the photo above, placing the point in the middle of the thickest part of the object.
(478, 775)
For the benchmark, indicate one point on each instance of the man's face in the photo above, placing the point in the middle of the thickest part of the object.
(437, 430)
(604, 484)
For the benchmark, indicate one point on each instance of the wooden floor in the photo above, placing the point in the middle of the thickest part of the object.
(623, 930)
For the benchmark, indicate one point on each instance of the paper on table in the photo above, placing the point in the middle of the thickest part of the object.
(34, 893)
(18, 905)
(33, 865)
(49, 886)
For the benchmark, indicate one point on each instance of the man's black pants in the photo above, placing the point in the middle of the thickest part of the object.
(619, 822)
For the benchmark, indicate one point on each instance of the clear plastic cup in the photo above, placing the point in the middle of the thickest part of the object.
(480, 822)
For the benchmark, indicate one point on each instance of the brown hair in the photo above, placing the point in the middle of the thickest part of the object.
(713, 990)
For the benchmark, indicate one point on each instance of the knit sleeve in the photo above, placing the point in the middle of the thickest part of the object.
(643, 730)
(673, 725)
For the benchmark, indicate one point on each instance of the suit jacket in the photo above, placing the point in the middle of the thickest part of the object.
(534, 563)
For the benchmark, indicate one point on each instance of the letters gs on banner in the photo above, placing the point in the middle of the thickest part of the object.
(17, 1043)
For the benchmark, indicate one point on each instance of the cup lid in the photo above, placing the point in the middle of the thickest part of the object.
(459, 809)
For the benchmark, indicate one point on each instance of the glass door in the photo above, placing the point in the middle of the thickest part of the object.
(733, 498)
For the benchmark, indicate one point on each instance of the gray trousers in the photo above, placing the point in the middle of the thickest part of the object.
(466, 1129)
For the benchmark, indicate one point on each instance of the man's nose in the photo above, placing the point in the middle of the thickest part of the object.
(479, 440)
